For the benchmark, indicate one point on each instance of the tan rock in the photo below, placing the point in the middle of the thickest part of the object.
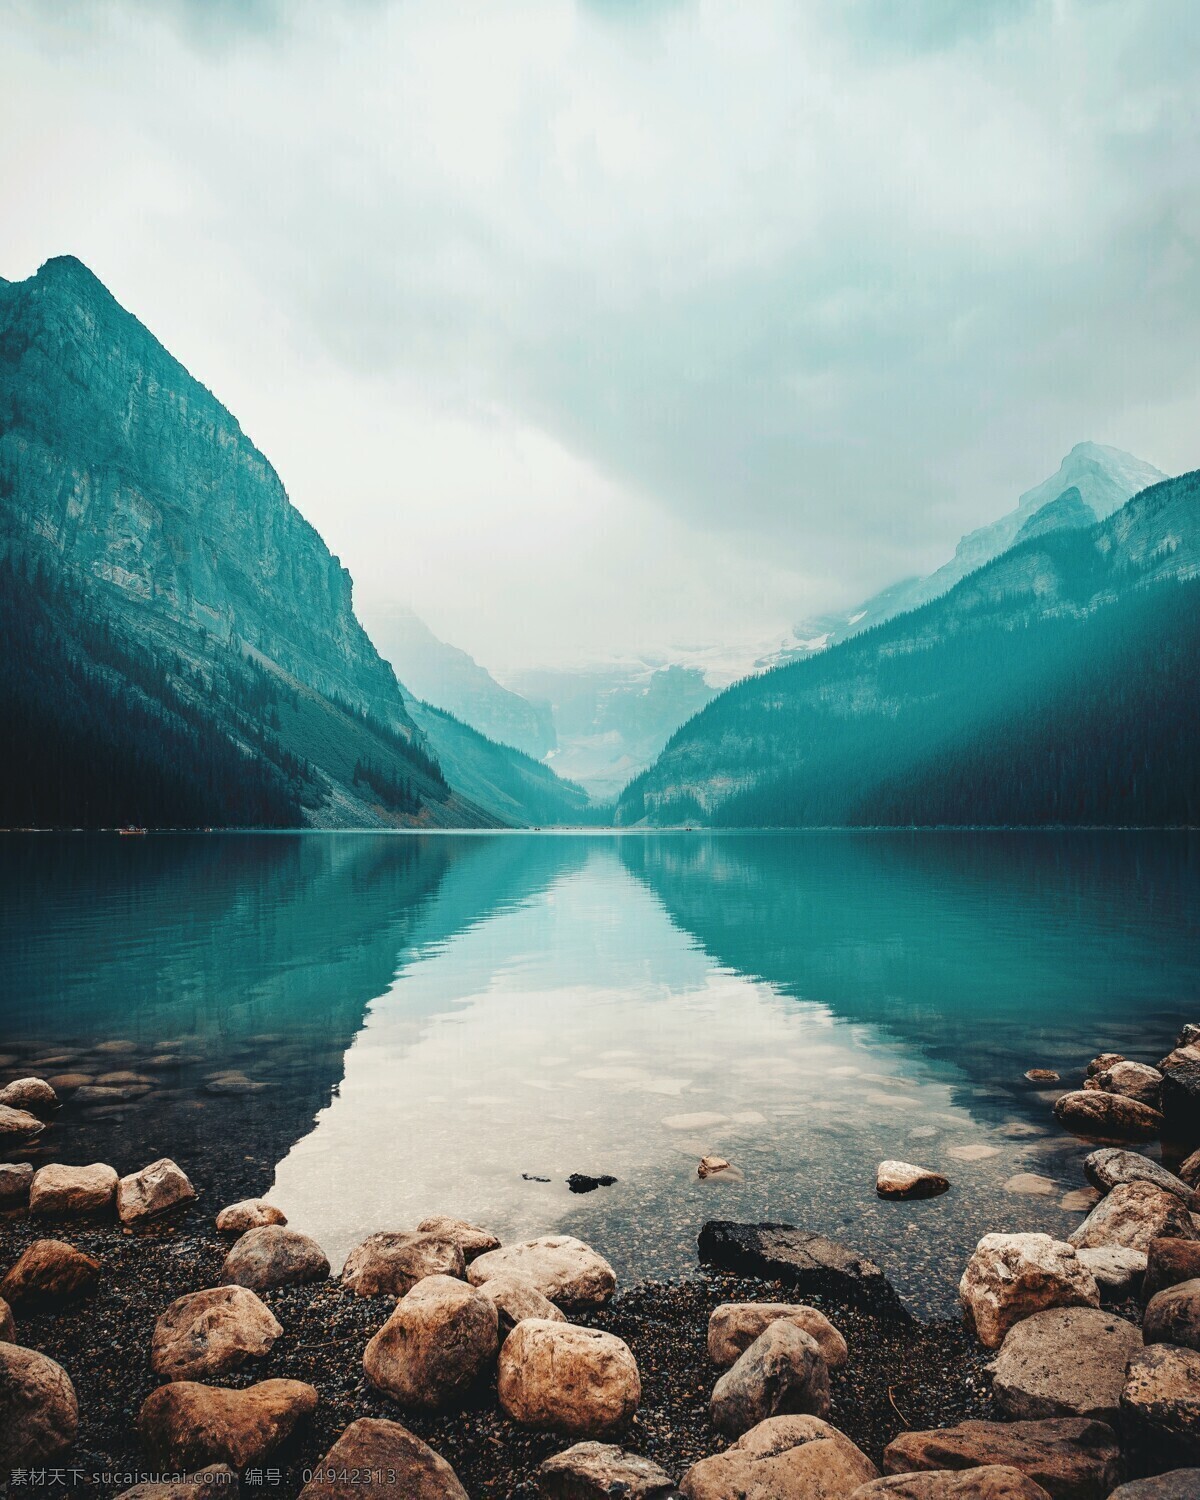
(1161, 1401)
(39, 1414)
(562, 1268)
(1173, 1316)
(783, 1458)
(50, 1271)
(1134, 1081)
(67, 1083)
(1118, 1271)
(1133, 1214)
(373, 1445)
(16, 1177)
(575, 1380)
(213, 1480)
(781, 1374)
(438, 1343)
(1179, 1484)
(18, 1124)
(1011, 1276)
(994, 1482)
(1168, 1262)
(471, 1239)
(717, 1166)
(211, 1332)
(733, 1327)
(1067, 1362)
(154, 1190)
(599, 1471)
(32, 1094)
(1189, 1169)
(250, 1213)
(1042, 1075)
(1110, 1167)
(1104, 1062)
(901, 1179)
(1079, 1200)
(517, 1298)
(274, 1256)
(1072, 1458)
(8, 1325)
(1107, 1117)
(1031, 1184)
(63, 1192)
(393, 1262)
(186, 1425)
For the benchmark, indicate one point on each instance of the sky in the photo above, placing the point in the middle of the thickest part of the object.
(603, 328)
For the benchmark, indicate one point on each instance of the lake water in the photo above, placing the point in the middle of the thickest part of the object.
(372, 1028)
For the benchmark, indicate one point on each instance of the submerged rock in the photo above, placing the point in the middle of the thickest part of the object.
(808, 1261)
(437, 1344)
(50, 1271)
(733, 1327)
(782, 1373)
(152, 1191)
(250, 1213)
(1068, 1362)
(18, 1124)
(63, 1192)
(1071, 1458)
(901, 1179)
(598, 1471)
(562, 1268)
(782, 1458)
(39, 1413)
(274, 1256)
(186, 1425)
(211, 1332)
(393, 1262)
(373, 1445)
(1012, 1276)
(580, 1182)
(567, 1378)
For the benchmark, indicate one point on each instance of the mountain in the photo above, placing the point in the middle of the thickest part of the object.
(1103, 479)
(446, 677)
(1054, 685)
(181, 647)
(611, 721)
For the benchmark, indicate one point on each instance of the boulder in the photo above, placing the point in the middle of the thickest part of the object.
(1104, 1062)
(8, 1324)
(393, 1262)
(18, 1124)
(250, 1213)
(809, 1262)
(32, 1094)
(733, 1327)
(64, 1192)
(562, 1268)
(1189, 1170)
(274, 1256)
(1169, 1262)
(1068, 1362)
(1118, 1271)
(371, 1445)
(781, 1374)
(439, 1341)
(901, 1179)
(211, 1332)
(1133, 1214)
(1181, 1094)
(39, 1414)
(570, 1379)
(1161, 1403)
(1110, 1167)
(1072, 1458)
(992, 1482)
(598, 1471)
(1179, 1484)
(1107, 1117)
(471, 1239)
(215, 1479)
(155, 1189)
(1173, 1316)
(1133, 1081)
(783, 1458)
(50, 1271)
(1011, 1276)
(517, 1298)
(15, 1180)
(186, 1425)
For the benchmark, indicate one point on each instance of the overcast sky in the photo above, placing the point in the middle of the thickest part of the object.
(617, 326)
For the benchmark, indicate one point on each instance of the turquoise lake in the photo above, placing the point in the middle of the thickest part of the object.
(370, 1029)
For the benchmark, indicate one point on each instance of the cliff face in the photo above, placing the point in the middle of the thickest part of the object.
(121, 469)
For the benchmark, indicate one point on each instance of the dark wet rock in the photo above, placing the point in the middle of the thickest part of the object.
(562, 1268)
(1173, 1316)
(993, 1482)
(216, 1479)
(32, 1094)
(565, 1378)
(901, 1179)
(274, 1256)
(802, 1259)
(1179, 1484)
(1068, 1362)
(734, 1326)
(1072, 1458)
(394, 1261)
(1118, 1271)
(1160, 1404)
(211, 1332)
(8, 1325)
(50, 1271)
(186, 1425)
(533, 1177)
(1133, 1214)
(90, 1095)
(436, 1346)
(250, 1213)
(1181, 1093)
(18, 1124)
(783, 1458)
(154, 1190)
(601, 1471)
(1012, 1276)
(1107, 1117)
(1168, 1262)
(782, 1373)
(15, 1180)
(580, 1182)
(373, 1445)
(471, 1239)
(1110, 1167)
(67, 1083)
(39, 1413)
(516, 1297)
(58, 1191)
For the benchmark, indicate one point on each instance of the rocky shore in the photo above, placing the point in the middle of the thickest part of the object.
(146, 1333)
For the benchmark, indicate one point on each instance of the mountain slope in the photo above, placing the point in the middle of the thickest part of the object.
(1055, 684)
(183, 606)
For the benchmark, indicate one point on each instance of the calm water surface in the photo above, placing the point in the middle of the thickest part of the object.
(373, 1028)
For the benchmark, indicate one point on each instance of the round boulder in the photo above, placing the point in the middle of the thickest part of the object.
(1098, 1116)
(562, 1268)
(250, 1213)
(372, 1445)
(211, 1332)
(782, 1373)
(570, 1379)
(274, 1256)
(437, 1344)
(39, 1414)
(393, 1262)
(50, 1271)
(1173, 1316)
(63, 1192)
(186, 1425)
(32, 1094)
(1067, 1362)
(780, 1458)
(901, 1179)
(733, 1327)
(1011, 1276)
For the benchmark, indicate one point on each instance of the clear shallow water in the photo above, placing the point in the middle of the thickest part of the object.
(421, 1020)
